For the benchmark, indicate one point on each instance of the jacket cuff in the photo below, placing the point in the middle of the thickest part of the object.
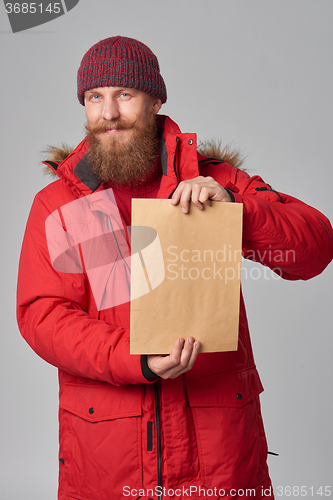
(230, 193)
(146, 371)
(235, 197)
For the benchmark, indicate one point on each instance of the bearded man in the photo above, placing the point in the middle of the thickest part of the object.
(185, 424)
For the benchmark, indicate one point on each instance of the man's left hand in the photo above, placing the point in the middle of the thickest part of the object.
(200, 190)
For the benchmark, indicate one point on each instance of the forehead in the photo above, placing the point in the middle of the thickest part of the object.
(115, 90)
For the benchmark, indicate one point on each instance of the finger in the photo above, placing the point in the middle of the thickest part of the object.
(190, 362)
(186, 353)
(185, 197)
(196, 194)
(211, 191)
(218, 193)
(205, 195)
(175, 355)
(195, 352)
(162, 364)
(177, 193)
(187, 362)
(180, 366)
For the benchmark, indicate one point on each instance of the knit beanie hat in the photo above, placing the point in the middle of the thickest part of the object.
(120, 62)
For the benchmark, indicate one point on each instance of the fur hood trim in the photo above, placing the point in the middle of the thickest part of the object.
(211, 148)
(56, 154)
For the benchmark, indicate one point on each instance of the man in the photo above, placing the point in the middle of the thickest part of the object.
(187, 424)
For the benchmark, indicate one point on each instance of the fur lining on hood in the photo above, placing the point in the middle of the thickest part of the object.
(214, 149)
(211, 148)
(56, 154)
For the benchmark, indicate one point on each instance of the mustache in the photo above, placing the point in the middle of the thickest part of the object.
(109, 125)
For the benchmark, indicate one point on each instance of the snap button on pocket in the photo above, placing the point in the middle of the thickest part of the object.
(91, 411)
(239, 396)
(190, 142)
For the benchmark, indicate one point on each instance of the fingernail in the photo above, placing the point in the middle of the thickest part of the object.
(184, 210)
(191, 340)
(181, 341)
(197, 345)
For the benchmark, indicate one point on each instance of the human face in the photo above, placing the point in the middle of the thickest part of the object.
(115, 107)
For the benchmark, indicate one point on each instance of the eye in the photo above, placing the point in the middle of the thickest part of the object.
(125, 96)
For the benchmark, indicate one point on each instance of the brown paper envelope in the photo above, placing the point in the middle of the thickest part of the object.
(185, 275)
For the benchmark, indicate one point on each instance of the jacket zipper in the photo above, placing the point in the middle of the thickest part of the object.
(157, 407)
(175, 168)
(158, 439)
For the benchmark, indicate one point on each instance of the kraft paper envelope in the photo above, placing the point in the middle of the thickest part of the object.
(185, 275)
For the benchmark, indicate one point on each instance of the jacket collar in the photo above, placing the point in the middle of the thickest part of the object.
(179, 157)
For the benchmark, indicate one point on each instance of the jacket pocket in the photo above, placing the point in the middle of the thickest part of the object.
(229, 430)
(100, 440)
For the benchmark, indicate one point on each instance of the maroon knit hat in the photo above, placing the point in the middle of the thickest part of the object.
(120, 62)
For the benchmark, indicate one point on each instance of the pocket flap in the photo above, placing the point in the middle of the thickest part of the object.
(231, 389)
(97, 401)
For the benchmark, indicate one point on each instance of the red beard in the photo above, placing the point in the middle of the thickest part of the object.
(131, 163)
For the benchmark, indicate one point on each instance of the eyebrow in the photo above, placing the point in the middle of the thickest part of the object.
(120, 89)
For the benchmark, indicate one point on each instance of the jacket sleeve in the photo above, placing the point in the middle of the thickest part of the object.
(52, 317)
(281, 232)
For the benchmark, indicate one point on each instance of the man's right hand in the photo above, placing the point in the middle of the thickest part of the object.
(180, 360)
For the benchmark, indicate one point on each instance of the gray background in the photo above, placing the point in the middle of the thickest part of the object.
(257, 73)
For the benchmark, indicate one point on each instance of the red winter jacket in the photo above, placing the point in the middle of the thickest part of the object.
(121, 434)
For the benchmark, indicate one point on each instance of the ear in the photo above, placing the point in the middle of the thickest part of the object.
(157, 104)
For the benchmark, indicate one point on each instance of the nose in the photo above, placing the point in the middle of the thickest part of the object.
(110, 109)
